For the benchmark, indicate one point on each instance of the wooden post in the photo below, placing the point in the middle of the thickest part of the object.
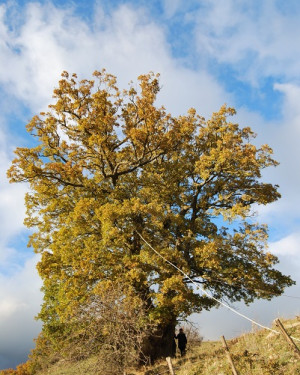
(168, 359)
(234, 370)
(287, 336)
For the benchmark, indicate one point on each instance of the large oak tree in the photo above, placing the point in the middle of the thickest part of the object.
(109, 166)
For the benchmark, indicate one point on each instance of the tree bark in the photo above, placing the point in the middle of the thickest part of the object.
(160, 343)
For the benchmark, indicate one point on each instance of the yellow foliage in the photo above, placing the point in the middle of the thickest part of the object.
(110, 165)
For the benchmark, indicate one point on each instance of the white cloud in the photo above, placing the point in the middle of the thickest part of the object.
(282, 135)
(127, 43)
(291, 109)
(258, 37)
(10, 306)
(33, 55)
(289, 245)
(12, 209)
(285, 139)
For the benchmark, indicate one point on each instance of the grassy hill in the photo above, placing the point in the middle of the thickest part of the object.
(257, 353)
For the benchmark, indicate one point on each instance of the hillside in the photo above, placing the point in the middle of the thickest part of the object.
(258, 353)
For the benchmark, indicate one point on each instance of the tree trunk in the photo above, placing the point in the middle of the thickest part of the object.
(160, 344)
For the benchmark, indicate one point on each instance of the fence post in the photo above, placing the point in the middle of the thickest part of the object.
(234, 371)
(287, 336)
(168, 359)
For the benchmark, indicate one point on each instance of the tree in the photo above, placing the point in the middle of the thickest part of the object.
(109, 166)
(21, 369)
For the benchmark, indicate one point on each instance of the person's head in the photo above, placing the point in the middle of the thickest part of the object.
(181, 330)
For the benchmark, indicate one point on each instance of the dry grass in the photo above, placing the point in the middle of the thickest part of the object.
(258, 353)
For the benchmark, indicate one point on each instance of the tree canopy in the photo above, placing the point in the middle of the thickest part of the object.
(109, 165)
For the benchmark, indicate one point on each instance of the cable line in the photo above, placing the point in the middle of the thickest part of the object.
(209, 295)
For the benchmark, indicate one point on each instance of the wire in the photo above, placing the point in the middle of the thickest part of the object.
(253, 289)
(285, 295)
(209, 295)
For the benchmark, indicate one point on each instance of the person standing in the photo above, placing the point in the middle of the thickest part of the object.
(182, 341)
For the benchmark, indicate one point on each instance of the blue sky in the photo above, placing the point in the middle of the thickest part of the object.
(243, 53)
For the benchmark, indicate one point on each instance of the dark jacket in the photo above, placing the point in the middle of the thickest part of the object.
(182, 341)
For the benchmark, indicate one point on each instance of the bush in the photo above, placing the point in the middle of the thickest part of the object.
(110, 324)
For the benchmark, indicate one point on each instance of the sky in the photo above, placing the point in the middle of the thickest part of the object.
(245, 53)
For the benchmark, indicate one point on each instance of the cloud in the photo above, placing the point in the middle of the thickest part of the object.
(8, 307)
(33, 54)
(171, 7)
(127, 42)
(289, 245)
(256, 38)
(285, 140)
(291, 110)
(282, 134)
(12, 209)
(20, 298)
